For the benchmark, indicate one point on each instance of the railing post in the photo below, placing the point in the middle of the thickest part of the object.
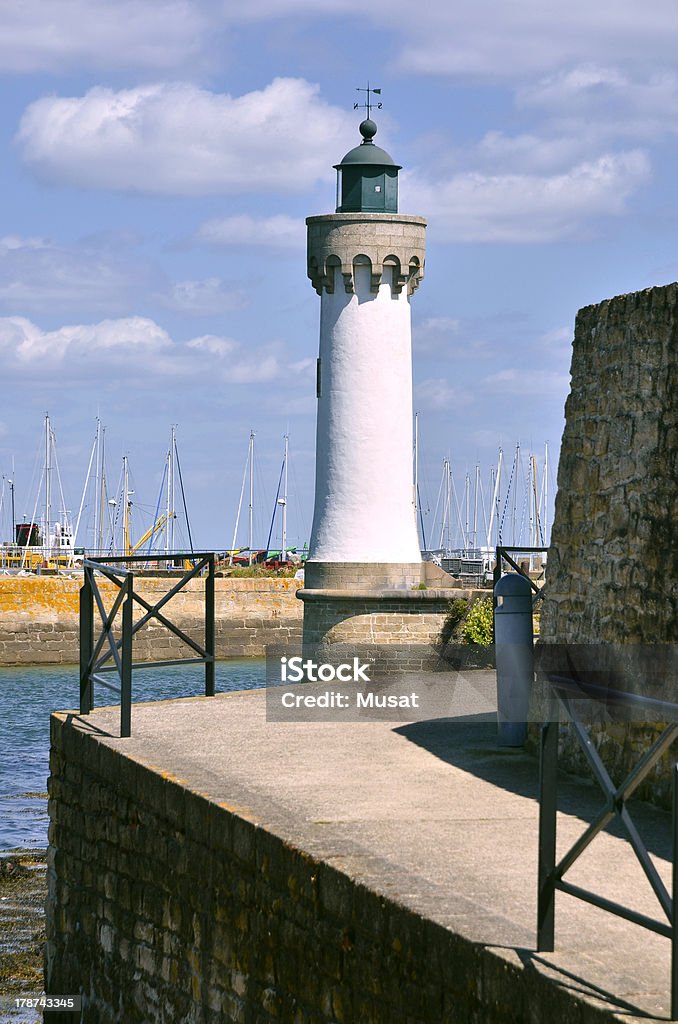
(209, 628)
(86, 642)
(548, 792)
(674, 901)
(126, 659)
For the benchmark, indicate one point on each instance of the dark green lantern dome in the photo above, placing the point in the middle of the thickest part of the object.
(367, 177)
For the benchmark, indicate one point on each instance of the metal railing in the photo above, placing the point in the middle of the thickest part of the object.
(96, 651)
(567, 689)
(504, 556)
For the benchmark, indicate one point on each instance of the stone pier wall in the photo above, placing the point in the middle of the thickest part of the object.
(166, 905)
(39, 617)
(612, 574)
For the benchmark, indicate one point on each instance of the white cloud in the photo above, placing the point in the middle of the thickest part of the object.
(529, 152)
(177, 139)
(475, 207)
(494, 41)
(134, 351)
(546, 383)
(110, 34)
(119, 338)
(488, 40)
(254, 371)
(439, 325)
(37, 275)
(204, 298)
(557, 338)
(9, 243)
(437, 393)
(213, 345)
(279, 231)
(594, 103)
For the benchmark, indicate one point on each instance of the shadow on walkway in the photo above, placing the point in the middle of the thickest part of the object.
(470, 743)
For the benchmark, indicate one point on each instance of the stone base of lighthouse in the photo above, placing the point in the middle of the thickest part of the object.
(360, 576)
(377, 608)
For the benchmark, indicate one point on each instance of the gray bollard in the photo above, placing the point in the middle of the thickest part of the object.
(514, 654)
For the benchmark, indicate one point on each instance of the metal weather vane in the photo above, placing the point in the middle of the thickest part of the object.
(368, 103)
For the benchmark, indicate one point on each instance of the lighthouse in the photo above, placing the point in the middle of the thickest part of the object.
(365, 261)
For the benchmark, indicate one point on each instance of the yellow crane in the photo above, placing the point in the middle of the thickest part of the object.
(150, 532)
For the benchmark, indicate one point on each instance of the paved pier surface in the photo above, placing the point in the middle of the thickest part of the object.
(433, 815)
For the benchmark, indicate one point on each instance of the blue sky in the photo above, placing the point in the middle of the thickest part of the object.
(159, 158)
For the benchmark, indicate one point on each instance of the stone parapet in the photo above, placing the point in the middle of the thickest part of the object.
(336, 241)
(185, 886)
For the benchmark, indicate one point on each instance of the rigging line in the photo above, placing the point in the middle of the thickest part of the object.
(116, 516)
(275, 508)
(157, 513)
(183, 497)
(58, 476)
(421, 520)
(38, 465)
(508, 495)
(35, 510)
(440, 491)
(84, 492)
(296, 490)
(482, 509)
(456, 502)
(242, 494)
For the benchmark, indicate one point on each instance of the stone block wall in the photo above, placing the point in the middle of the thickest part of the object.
(612, 574)
(613, 564)
(39, 617)
(357, 576)
(410, 618)
(166, 906)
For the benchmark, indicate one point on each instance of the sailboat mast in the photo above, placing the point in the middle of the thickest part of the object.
(250, 458)
(125, 507)
(537, 524)
(475, 506)
(48, 487)
(102, 494)
(97, 457)
(516, 464)
(283, 554)
(168, 494)
(445, 523)
(546, 492)
(172, 487)
(467, 505)
(416, 464)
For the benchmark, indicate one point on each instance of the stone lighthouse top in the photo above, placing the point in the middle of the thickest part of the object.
(367, 177)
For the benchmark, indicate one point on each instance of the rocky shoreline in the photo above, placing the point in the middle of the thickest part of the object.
(23, 891)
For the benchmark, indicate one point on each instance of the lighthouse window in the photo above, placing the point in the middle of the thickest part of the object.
(377, 188)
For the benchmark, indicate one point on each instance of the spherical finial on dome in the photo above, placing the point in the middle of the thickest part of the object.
(368, 129)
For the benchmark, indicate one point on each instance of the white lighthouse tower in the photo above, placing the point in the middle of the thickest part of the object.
(365, 261)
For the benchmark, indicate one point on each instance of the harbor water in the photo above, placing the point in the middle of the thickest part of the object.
(27, 697)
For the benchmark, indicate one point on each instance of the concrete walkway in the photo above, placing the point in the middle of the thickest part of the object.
(434, 815)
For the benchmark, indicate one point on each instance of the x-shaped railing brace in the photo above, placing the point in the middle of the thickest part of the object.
(550, 874)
